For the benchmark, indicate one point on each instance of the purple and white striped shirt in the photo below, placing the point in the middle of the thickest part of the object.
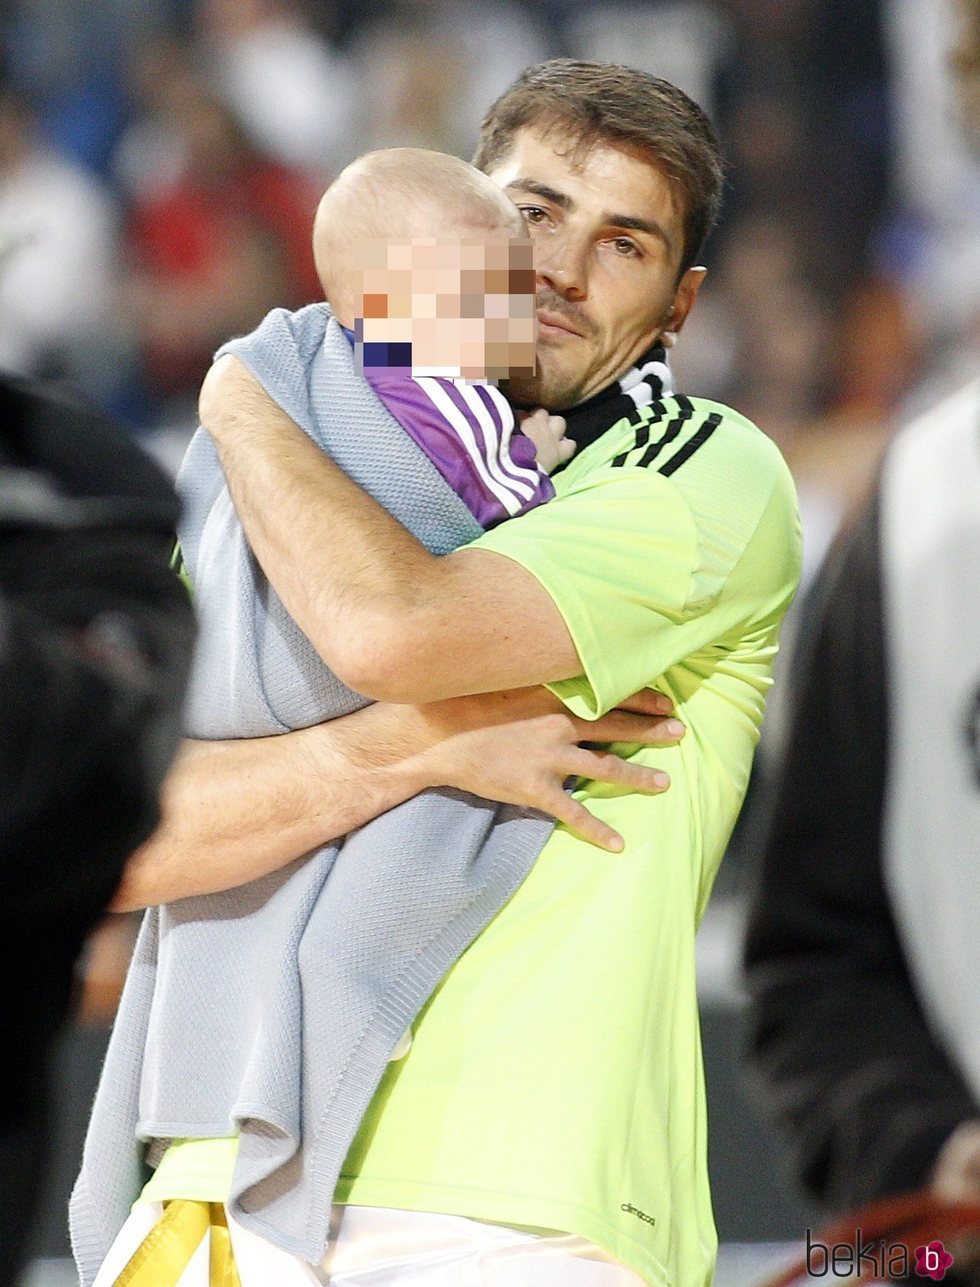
(469, 433)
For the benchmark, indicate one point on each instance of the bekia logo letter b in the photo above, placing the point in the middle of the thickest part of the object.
(932, 1261)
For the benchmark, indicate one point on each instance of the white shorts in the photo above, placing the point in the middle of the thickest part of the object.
(383, 1247)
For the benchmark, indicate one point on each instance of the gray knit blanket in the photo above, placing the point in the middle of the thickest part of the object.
(272, 1010)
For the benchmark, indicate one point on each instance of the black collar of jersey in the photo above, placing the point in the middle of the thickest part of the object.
(648, 380)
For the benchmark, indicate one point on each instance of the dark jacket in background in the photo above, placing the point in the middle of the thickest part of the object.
(861, 943)
(95, 640)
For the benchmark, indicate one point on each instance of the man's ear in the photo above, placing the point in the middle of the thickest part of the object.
(684, 297)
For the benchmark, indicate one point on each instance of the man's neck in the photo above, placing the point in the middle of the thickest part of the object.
(648, 380)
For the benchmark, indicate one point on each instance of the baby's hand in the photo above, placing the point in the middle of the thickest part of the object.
(548, 435)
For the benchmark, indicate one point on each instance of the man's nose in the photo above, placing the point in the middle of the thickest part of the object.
(561, 263)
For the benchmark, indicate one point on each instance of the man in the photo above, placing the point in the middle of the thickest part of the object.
(94, 642)
(554, 1080)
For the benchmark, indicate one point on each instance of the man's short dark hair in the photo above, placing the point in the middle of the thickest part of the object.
(606, 103)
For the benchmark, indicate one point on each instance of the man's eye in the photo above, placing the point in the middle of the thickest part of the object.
(626, 247)
(533, 214)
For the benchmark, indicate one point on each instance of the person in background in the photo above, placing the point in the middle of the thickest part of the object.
(95, 641)
(297, 95)
(59, 259)
(224, 241)
(862, 948)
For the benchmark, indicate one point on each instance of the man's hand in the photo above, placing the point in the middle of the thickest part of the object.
(521, 746)
(235, 811)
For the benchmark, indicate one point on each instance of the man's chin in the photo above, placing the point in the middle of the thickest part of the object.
(542, 389)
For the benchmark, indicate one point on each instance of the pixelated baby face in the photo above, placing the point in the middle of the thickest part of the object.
(448, 306)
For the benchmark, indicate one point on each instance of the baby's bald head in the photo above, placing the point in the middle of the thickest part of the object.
(430, 264)
(400, 195)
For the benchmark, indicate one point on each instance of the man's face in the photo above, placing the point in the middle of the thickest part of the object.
(608, 242)
(464, 305)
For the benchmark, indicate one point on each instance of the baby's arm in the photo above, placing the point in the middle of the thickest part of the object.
(547, 432)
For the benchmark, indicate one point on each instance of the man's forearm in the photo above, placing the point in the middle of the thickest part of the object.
(234, 811)
(395, 622)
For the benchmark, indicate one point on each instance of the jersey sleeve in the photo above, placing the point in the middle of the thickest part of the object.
(645, 579)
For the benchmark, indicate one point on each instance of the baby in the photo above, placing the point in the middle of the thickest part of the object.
(427, 266)
(315, 972)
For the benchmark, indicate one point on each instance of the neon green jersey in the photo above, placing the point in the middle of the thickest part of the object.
(555, 1077)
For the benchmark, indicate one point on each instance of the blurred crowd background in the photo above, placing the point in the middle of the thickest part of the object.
(160, 162)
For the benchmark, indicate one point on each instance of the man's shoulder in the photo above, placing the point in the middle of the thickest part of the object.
(695, 442)
(668, 432)
(689, 466)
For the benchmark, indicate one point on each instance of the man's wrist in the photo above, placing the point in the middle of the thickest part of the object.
(388, 751)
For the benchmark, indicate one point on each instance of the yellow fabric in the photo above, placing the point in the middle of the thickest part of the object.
(168, 1248)
(166, 1251)
(223, 1272)
(199, 1169)
(178, 565)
